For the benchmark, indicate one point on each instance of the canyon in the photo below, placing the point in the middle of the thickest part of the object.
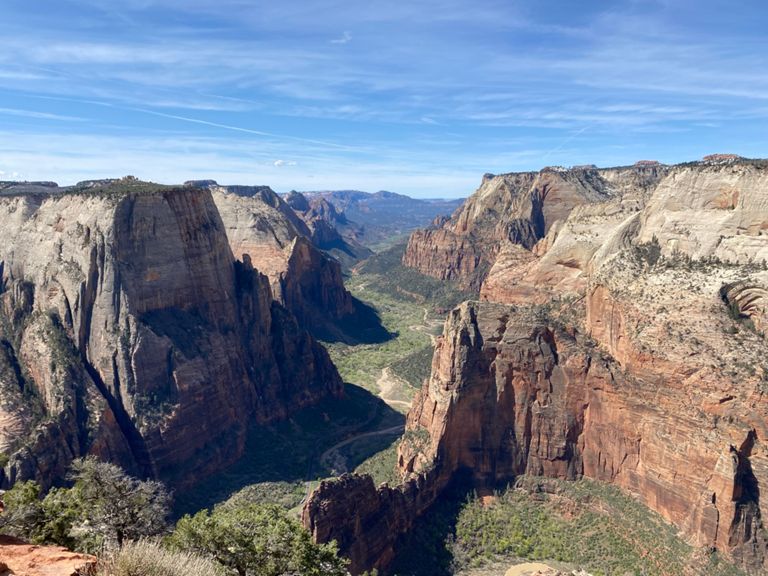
(619, 336)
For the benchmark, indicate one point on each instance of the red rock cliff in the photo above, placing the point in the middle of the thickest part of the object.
(306, 281)
(627, 347)
(518, 208)
(146, 342)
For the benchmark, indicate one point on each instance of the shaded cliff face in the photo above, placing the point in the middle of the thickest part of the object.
(329, 228)
(365, 521)
(132, 329)
(627, 345)
(262, 226)
(514, 209)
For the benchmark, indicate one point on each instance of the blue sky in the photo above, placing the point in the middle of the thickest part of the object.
(419, 97)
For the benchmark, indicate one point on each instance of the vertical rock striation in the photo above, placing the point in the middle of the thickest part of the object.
(262, 226)
(140, 335)
(626, 344)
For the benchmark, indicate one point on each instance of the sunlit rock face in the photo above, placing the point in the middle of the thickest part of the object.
(131, 331)
(623, 341)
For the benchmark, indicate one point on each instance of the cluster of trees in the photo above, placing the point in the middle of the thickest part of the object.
(105, 509)
(256, 540)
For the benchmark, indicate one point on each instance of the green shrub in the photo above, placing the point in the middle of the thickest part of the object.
(115, 507)
(257, 540)
(416, 367)
(22, 511)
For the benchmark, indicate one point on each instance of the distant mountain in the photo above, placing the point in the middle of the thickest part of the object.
(384, 216)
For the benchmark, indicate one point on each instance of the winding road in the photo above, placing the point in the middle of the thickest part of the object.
(388, 384)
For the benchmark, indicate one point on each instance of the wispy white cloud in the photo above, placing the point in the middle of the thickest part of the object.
(441, 85)
(280, 163)
(344, 39)
(40, 115)
(245, 130)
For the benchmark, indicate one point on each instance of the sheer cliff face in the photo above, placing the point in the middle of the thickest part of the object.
(142, 338)
(262, 226)
(670, 405)
(627, 345)
(512, 395)
(514, 209)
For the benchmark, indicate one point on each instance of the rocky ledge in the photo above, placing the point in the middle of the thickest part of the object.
(22, 559)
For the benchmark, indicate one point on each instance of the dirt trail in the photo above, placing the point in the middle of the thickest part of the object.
(388, 383)
(529, 568)
(336, 463)
(427, 326)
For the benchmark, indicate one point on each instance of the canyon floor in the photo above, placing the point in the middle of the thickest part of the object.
(566, 525)
(359, 433)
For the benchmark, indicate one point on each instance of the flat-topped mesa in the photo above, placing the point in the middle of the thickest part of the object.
(144, 339)
(517, 208)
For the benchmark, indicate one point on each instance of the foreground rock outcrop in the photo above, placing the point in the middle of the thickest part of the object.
(129, 330)
(626, 345)
(22, 559)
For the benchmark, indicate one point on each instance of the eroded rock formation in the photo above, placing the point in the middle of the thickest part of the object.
(329, 228)
(519, 209)
(626, 345)
(129, 330)
(262, 226)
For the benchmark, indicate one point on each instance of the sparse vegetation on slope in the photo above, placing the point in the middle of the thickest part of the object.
(382, 465)
(104, 508)
(146, 558)
(416, 367)
(279, 456)
(110, 513)
(257, 540)
(386, 274)
(582, 523)
(411, 306)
